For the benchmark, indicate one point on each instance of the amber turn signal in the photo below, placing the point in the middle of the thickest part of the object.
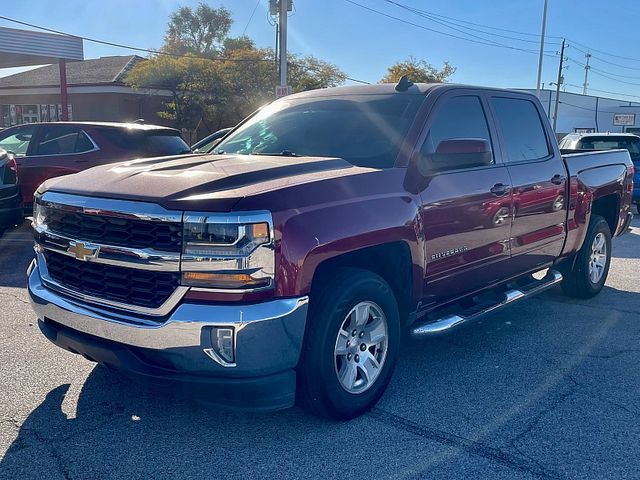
(222, 280)
(260, 230)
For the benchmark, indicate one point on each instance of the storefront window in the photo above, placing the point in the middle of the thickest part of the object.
(18, 114)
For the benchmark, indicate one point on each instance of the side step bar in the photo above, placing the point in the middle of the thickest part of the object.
(449, 322)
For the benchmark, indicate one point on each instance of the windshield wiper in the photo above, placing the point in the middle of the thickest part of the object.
(284, 153)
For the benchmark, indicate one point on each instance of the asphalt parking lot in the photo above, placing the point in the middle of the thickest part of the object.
(549, 388)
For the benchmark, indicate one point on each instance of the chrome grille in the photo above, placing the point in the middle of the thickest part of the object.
(142, 288)
(111, 230)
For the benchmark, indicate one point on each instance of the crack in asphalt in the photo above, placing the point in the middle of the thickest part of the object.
(609, 356)
(540, 415)
(15, 297)
(495, 455)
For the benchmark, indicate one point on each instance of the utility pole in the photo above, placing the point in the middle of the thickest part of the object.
(544, 29)
(560, 81)
(283, 42)
(585, 85)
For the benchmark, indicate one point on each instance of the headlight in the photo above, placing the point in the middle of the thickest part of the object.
(39, 214)
(228, 252)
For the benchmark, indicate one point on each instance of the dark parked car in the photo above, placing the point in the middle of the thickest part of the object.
(46, 150)
(10, 199)
(208, 142)
(583, 142)
(284, 264)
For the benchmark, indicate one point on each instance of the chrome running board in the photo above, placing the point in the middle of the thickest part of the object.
(451, 321)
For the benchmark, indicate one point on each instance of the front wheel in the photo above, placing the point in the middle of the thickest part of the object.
(351, 345)
(591, 267)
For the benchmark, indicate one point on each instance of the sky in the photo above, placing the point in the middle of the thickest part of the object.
(364, 43)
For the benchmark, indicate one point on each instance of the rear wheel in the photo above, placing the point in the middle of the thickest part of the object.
(351, 345)
(591, 266)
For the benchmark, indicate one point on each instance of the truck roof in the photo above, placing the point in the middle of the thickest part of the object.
(390, 88)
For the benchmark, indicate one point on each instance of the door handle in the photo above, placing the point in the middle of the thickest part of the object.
(499, 189)
(557, 179)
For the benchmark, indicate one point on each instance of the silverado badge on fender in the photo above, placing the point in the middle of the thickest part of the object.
(448, 253)
(83, 251)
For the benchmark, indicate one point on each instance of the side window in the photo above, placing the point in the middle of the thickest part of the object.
(458, 138)
(524, 135)
(62, 140)
(18, 140)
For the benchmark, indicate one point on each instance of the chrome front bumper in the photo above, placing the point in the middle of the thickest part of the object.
(268, 335)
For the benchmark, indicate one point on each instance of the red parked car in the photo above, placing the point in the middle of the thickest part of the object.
(47, 150)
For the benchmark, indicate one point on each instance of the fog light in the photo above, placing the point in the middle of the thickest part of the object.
(223, 346)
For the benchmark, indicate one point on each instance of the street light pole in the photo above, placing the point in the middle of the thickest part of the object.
(544, 29)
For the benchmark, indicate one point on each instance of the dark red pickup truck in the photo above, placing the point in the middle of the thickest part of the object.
(285, 263)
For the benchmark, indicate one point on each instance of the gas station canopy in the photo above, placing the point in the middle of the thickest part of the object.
(19, 48)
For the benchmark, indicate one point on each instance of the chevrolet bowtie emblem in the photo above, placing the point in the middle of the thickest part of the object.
(83, 251)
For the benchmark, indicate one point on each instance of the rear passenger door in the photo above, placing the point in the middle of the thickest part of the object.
(539, 181)
(55, 150)
(466, 209)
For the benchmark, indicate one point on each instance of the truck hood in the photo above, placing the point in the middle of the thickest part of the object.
(208, 182)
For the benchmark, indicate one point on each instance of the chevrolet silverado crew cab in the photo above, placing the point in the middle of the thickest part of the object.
(284, 264)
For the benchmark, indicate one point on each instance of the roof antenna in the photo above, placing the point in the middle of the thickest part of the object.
(403, 84)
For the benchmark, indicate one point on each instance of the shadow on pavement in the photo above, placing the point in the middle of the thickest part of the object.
(15, 255)
(126, 429)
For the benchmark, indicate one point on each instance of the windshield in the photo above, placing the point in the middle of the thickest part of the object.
(365, 130)
(632, 144)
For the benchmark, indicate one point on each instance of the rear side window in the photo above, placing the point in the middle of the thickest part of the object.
(63, 140)
(524, 135)
(146, 143)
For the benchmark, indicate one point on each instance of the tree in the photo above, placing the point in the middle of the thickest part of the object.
(308, 73)
(201, 31)
(418, 71)
(235, 79)
(195, 84)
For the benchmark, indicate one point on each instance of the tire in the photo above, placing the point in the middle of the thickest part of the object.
(326, 355)
(580, 281)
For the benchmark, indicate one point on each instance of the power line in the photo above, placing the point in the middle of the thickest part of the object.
(604, 91)
(160, 52)
(129, 47)
(489, 43)
(607, 61)
(537, 35)
(444, 20)
(608, 76)
(251, 17)
(606, 53)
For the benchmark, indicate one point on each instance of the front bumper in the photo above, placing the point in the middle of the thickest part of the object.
(268, 340)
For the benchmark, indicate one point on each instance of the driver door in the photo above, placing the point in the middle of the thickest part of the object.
(465, 206)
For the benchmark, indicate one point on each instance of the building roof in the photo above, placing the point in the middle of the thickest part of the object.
(103, 70)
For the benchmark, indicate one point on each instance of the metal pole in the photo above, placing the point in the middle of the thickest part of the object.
(62, 64)
(283, 42)
(555, 112)
(544, 29)
(585, 85)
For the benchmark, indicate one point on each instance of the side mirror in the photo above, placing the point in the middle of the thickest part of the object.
(457, 153)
